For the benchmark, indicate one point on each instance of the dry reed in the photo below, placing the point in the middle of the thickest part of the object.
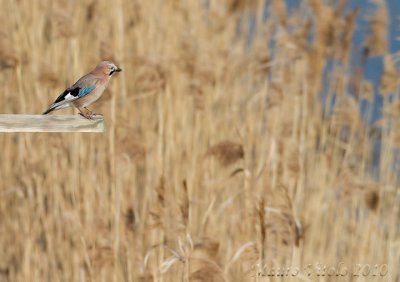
(202, 81)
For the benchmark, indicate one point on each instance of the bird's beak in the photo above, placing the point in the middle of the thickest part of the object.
(118, 70)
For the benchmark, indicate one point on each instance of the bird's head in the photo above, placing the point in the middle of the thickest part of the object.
(108, 68)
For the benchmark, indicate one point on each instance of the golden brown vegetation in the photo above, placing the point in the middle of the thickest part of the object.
(218, 156)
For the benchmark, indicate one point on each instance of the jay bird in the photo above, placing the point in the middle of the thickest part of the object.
(86, 90)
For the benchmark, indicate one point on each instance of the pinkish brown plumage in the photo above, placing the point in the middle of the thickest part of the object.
(87, 90)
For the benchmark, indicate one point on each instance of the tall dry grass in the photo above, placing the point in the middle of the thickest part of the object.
(218, 157)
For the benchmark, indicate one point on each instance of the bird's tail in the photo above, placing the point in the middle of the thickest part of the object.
(49, 110)
(56, 106)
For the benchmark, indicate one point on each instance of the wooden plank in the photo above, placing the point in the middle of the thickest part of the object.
(50, 123)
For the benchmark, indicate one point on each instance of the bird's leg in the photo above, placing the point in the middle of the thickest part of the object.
(85, 115)
(91, 113)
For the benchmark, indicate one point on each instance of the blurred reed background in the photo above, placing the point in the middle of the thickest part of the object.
(219, 155)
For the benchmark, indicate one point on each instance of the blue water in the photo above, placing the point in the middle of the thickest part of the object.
(374, 66)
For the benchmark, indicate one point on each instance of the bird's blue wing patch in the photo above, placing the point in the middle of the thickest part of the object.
(86, 90)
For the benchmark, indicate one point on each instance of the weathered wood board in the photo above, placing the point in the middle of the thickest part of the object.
(50, 123)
